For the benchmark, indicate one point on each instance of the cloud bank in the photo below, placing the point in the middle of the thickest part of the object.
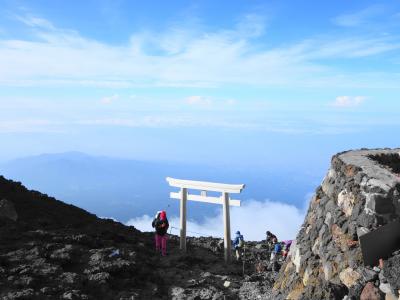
(253, 219)
(182, 57)
(348, 101)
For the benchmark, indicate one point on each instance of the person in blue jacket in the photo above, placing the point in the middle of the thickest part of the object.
(277, 250)
(238, 244)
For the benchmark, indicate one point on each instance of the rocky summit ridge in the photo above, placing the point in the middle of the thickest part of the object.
(52, 250)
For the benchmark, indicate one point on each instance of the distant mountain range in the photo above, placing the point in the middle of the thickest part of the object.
(123, 189)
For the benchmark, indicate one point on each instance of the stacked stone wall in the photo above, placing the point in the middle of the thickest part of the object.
(360, 193)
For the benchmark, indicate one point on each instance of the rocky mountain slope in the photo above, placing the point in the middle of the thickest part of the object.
(360, 194)
(50, 250)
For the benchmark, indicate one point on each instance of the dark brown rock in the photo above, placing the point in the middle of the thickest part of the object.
(371, 292)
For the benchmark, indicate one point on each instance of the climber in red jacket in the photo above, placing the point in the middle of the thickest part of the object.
(160, 223)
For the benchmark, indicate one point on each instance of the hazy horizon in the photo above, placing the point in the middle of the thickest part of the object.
(132, 191)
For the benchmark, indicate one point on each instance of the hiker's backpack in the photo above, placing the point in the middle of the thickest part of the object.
(241, 242)
(155, 220)
(153, 224)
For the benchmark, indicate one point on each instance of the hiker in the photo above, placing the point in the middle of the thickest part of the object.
(286, 247)
(160, 223)
(238, 244)
(277, 250)
(270, 237)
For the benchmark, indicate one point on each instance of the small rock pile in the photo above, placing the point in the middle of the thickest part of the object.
(360, 193)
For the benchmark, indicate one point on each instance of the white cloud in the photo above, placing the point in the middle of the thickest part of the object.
(183, 57)
(350, 48)
(198, 100)
(35, 22)
(29, 126)
(328, 124)
(360, 17)
(157, 121)
(211, 103)
(109, 99)
(253, 219)
(348, 101)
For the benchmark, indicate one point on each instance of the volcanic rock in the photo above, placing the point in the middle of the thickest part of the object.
(370, 292)
(7, 210)
(58, 251)
(360, 193)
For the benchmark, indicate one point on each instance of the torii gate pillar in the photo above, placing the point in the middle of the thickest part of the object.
(183, 196)
(182, 243)
(227, 227)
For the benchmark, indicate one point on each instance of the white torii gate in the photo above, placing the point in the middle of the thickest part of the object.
(203, 186)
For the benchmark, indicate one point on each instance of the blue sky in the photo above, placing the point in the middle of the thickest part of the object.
(253, 83)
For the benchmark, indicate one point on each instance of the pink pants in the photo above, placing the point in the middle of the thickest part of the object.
(161, 242)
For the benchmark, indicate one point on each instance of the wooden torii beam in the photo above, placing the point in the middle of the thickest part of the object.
(203, 186)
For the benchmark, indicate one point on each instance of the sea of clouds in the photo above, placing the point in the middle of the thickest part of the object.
(253, 219)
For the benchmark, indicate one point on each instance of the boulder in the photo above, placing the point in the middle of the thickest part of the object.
(328, 270)
(370, 292)
(346, 201)
(349, 277)
(386, 288)
(21, 295)
(74, 294)
(328, 219)
(369, 275)
(390, 297)
(99, 278)
(7, 210)
(25, 281)
(306, 276)
(391, 270)
(297, 259)
(63, 255)
(70, 278)
(177, 292)
(361, 231)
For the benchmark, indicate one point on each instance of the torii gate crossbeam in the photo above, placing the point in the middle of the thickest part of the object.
(203, 186)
